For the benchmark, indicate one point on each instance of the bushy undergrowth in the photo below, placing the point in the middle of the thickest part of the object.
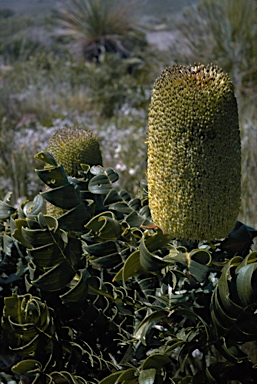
(47, 87)
(100, 294)
(223, 32)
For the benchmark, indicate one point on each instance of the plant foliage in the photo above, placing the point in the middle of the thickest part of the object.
(101, 294)
(223, 31)
(100, 26)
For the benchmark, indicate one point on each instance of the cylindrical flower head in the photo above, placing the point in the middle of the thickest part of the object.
(74, 146)
(194, 153)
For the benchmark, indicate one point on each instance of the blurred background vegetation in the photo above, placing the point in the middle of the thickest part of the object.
(94, 62)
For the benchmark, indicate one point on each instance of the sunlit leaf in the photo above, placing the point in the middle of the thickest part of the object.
(147, 376)
(34, 207)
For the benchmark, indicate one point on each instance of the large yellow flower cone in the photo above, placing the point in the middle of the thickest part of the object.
(194, 153)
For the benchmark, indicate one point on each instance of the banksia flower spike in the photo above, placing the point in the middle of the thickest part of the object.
(194, 154)
(74, 146)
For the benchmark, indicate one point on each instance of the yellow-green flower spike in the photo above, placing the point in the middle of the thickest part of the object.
(74, 146)
(194, 153)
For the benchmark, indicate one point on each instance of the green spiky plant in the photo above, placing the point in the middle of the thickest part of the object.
(221, 31)
(100, 26)
(102, 294)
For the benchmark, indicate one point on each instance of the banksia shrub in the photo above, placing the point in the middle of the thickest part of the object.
(194, 157)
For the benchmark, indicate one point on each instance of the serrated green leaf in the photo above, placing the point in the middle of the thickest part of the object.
(223, 287)
(198, 271)
(125, 195)
(202, 256)
(101, 249)
(121, 206)
(48, 222)
(112, 175)
(29, 348)
(65, 377)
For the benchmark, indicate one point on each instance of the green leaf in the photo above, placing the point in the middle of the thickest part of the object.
(111, 379)
(239, 240)
(27, 366)
(112, 197)
(223, 288)
(198, 271)
(100, 184)
(32, 208)
(244, 283)
(56, 278)
(6, 210)
(105, 226)
(131, 267)
(78, 288)
(65, 196)
(136, 220)
(156, 361)
(147, 376)
(53, 177)
(47, 255)
(150, 243)
(38, 237)
(65, 377)
(46, 157)
(147, 322)
(127, 375)
(75, 218)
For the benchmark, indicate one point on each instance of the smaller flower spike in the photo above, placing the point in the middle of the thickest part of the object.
(74, 146)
